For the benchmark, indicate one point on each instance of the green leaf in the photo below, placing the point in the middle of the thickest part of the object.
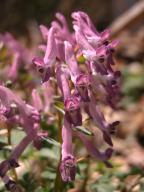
(7, 148)
(83, 130)
(60, 110)
(3, 144)
(49, 153)
(103, 187)
(28, 182)
(78, 170)
(59, 106)
(103, 184)
(48, 175)
(51, 141)
(141, 187)
(39, 189)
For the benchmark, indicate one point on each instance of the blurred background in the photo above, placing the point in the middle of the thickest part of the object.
(17, 15)
(125, 18)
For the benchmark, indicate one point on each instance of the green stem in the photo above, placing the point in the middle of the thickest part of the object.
(10, 143)
(83, 188)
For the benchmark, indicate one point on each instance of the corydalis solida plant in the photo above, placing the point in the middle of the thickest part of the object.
(81, 63)
(83, 87)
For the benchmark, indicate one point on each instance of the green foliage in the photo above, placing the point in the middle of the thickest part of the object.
(60, 107)
(103, 184)
(132, 86)
(83, 130)
(28, 182)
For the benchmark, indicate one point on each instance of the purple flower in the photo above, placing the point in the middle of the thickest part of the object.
(94, 152)
(63, 32)
(81, 81)
(82, 41)
(82, 84)
(68, 169)
(18, 54)
(51, 50)
(10, 184)
(83, 23)
(71, 60)
(68, 162)
(71, 102)
(44, 70)
(36, 100)
(97, 50)
(44, 31)
(98, 118)
(44, 65)
(72, 109)
(13, 72)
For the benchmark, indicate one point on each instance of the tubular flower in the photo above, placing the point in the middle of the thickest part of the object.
(72, 109)
(71, 102)
(94, 152)
(80, 80)
(68, 162)
(44, 65)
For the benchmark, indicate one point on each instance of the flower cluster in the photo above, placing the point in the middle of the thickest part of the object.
(81, 62)
(18, 55)
(16, 112)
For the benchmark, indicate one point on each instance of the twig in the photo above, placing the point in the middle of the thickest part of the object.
(135, 183)
(82, 158)
(128, 19)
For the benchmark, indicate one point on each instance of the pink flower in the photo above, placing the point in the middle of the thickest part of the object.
(68, 162)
